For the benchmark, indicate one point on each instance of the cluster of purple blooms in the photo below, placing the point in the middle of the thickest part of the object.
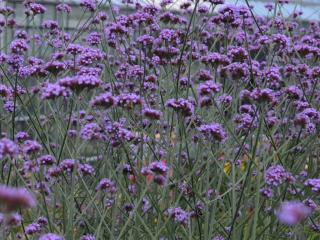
(291, 213)
(155, 116)
(179, 215)
(275, 176)
(183, 106)
(156, 171)
(214, 131)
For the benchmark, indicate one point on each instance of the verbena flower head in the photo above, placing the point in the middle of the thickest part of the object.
(13, 198)
(266, 192)
(311, 204)
(74, 49)
(43, 221)
(105, 100)
(68, 165)
(63, 7)
(35, 9)
(88, 237)
(179, 215)
(164, 3)
(129, 100)
(53, 90)
(19, 46)
(86, 169)
(8, 148)
(89, 4)
(152, 113)
(33, 228)
(31, 146)
(184, 106)
(314, 183)
(46, 160)
(208, 87)
(22, 136)
(158, 168)
(50, 25)
(94, 38)
(51, 236)
(214, 131)
(292, 213)
(106, 185)
(90, 56)
(55, 67)
(275, 175)
(13, 220)
(263, 95)
(80, 82)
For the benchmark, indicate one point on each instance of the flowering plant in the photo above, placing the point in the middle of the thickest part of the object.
(183, 120)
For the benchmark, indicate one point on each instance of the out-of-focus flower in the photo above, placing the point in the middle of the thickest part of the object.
(292, 213)
(51, 236)
(8, 148)
(14, 198)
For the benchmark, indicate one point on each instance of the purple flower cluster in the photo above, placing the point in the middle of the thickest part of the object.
(46, 160)
(291, 213)
(152, 113)
(158, 171)
(105, 100)
(89, 4)
(51, 236)
(31, 147)
(179, 215)
(91, 131)
(14, 198)
(88, 237)
(53, 90)
(275, 175)
(19, 46)
(63, 7)
(80, 82)
(129, 100)
(106, 185)
(34, 9)
(68, 165)
(33, 228)
(8, 148)
(184, 106)
(214, 131)
(208, 87)
(314, 183)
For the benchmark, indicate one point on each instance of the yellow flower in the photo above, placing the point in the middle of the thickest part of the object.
(227, 168)
(243, 165)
